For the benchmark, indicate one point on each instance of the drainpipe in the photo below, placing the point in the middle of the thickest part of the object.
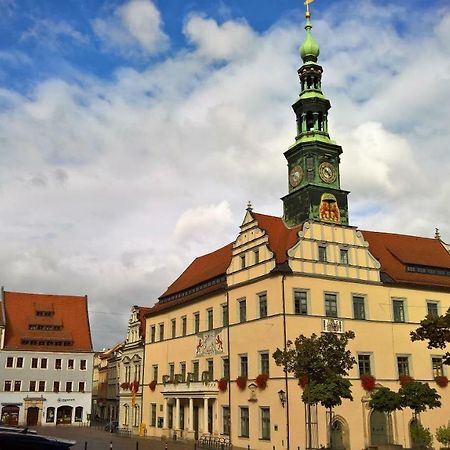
(229, 360)
(283, 296)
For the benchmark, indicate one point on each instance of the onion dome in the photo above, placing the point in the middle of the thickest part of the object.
(309, 51)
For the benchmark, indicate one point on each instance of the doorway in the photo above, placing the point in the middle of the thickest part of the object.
(195, 425)
(64, 415)
(32, 416)
(340, 439)
(210, 419)
(378, 428)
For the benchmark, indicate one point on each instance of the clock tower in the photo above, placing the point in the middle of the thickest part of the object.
(313, 159)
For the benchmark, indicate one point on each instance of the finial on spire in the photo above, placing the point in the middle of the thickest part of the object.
(308, 12)
(249, 206)
(437, 235)
(309, 50)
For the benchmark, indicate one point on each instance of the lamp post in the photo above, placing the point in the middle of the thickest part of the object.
(282, 396)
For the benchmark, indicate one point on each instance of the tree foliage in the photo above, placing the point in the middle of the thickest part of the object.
(435, 330)
(384, 400)
(419, 396)
(328, 393)
(421, 436)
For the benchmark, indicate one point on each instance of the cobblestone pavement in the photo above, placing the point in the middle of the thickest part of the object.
(98, 439)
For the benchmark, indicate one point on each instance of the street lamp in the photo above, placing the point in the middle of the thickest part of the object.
(282, 396)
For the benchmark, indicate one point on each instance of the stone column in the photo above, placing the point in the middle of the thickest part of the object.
(316, 121)
(191, 414)
(165, 412)
(177, 413)
(215, 418)
(205, 415)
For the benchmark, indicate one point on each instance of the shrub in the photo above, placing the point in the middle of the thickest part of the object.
(443, 435)
(261, 380)
(421, 436)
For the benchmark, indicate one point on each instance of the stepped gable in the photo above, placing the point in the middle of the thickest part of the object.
(141, 315)
(41, 322)
(410, 259)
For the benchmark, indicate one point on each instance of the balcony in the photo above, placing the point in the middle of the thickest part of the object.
(178, 385)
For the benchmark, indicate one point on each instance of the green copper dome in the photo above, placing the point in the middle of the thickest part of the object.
(309, 51)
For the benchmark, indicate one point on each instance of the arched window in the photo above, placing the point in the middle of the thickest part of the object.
(309, 121)
(126, 415)
(79, 414)
(136, 416)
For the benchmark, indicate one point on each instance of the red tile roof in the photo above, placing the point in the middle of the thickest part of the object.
(69, 311)
(397, 251)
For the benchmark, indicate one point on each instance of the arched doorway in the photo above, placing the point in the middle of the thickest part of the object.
(340, 436)
(413, 437)
(32, 416)
(64, 415)
(10, 415)
(378, 428)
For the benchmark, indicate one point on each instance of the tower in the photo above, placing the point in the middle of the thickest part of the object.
(313, 159)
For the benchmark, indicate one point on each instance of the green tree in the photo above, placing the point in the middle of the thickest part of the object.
(385, 401)
(418, 397)
(323, 361)
(435, 330)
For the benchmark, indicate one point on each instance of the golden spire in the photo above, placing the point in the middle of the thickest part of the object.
(308, 13)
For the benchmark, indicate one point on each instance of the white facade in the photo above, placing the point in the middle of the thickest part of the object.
(45, 388)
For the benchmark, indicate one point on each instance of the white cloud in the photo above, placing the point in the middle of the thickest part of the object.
(136, 24)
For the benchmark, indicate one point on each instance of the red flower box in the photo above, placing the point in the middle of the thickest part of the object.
(303, 381)
(152, 385)
(125, 385)
(134, 386)
(222, 384)
(441, 380)
(261, 380)
(368, 382)
(405, 379)
(241, 382)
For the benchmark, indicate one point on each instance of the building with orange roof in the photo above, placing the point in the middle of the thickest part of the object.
(45, 359)
(209, 372)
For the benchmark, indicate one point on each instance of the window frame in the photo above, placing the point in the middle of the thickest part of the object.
(325, 301)
(242, 311)
(196, 318)
(241, 423)
(298, 291)
(364, 306)
(434, 303)
(408, 366)
(210, 319)
(322, 253)
(225, 420)
(243, 362)
(184, 326)
(262, 305)
(264, 427)
(437, 372)
(370, 360)
(396, 314)
(225, 315)
(344, 261)
(261, 368)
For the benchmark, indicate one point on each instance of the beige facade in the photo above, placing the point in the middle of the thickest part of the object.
(264, 304)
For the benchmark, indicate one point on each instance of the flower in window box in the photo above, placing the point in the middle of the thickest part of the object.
(222, 384)
(303, 381)
(134, 386)
(405, 379)
(125, 385)
(261, 380)
(152, 385)
(368, 382)
(241, 382)
(441, 380)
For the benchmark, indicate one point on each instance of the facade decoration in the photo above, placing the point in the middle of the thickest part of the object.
(209, 343)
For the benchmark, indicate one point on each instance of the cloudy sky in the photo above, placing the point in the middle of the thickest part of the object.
(133, 132)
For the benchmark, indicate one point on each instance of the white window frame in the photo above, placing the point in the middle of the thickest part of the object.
(308, 301)
(366, 305)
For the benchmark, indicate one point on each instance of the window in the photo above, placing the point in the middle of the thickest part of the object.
(68, 386)
(262, 298)
(171, 371)
(242, 261)
(343, 253)
(153, 333)
(183, 326)
(17, 386)
(161, 331)
(226, 420)
(81, 386)
(78, 414)
(210, 365)
(41, 386)
(226, 368)
(58, 363)
(82, 364)
(174, 328)
(242, 310)
(399, 310)
(195, 370)
(437, 365)
(155, 372)
(403, 366)
(9, 361)
(301, 302)
(243, 365)
(331, 305)
(196, 322)
(244, 421)
(183, 371)
(126, 415)
(70, 364)
(359, 308)
(364, 365)
(225, 315)
(322, 253)
(264, 362)
(56, 386)
(50, 417)
(432, 309)
(153, 415)
(256, 256)
(43, 363)
(209, 319)
(32, 386)
(19, 362)
(34, 363)
(265, 423)
(7, 386)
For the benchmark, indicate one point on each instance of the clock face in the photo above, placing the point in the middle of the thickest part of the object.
(295, 176)
(327, 172)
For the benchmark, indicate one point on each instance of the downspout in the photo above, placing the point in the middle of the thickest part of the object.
(141, 384)
(229, 362)
(283, 296)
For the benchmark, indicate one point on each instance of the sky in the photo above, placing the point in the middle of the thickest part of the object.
(134, 132)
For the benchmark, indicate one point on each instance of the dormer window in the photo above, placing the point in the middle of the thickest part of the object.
(322, 253)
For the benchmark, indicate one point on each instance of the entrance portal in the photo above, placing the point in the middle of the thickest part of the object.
(32, 416)
(378, 428)
(340, 439)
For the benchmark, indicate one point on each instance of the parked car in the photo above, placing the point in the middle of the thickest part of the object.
(16, 438)
(112, 426)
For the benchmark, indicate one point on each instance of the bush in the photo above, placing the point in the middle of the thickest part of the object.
(443, 435)
(421, 436)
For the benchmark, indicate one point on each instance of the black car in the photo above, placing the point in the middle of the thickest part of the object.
(13, 438)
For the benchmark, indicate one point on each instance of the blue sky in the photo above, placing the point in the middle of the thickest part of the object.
(133, 133)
